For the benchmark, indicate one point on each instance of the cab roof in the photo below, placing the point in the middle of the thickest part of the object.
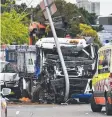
(50, 42)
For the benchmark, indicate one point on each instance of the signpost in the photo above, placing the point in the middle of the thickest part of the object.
(49, 8)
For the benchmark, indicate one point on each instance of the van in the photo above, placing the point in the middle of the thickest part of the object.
(102, 81)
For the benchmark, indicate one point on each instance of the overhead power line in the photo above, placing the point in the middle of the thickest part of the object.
(27, 6)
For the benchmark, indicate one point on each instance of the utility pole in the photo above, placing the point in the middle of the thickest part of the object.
(67, 84)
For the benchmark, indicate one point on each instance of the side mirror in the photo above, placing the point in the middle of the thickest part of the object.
(6, 91)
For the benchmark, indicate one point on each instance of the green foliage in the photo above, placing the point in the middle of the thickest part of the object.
(12, 28)
(90, 18)
(67, 10)
(7, 5)
(74, 29)
(89, 31)
(98, 28)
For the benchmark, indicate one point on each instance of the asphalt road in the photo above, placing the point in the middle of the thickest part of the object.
(76, 110)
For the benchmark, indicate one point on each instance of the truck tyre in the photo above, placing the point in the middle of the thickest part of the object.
(59, 100)
(35, 95)
(108, 107)
(28, 88)
(94, 106)
(18, 94)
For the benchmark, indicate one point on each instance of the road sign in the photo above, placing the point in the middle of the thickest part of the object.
(51, 5)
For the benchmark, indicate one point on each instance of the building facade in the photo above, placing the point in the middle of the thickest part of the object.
(95, 8)
(105, 20)
(91, 7)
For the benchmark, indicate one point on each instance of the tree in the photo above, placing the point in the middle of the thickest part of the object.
(98, 28)
(88, 31)
(7, 5)
(90, 18)
(12, 28)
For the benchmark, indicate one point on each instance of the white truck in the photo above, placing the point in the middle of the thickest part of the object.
(9, 78)
(23, 57)
(80, 59)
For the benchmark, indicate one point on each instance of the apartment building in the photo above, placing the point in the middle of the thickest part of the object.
(91, 7)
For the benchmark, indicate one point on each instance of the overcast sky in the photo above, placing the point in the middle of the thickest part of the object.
(105, 5)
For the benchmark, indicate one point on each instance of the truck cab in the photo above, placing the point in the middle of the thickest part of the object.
(80, 60)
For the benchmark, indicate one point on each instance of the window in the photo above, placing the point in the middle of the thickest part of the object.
(30, 61)
(10, 68)
(11, 56)
(104, 61)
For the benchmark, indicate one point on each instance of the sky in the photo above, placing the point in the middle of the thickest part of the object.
(105, 5)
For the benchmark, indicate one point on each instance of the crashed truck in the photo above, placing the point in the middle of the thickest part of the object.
(80, 60)
(19, 69)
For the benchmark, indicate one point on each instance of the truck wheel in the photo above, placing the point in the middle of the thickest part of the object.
(59, 100)
(28, 88)
(94, 106)
(35, 95)
(18, 94)
(108, 108)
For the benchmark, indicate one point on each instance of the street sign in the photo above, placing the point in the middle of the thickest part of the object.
(51, 5)
(42, 5)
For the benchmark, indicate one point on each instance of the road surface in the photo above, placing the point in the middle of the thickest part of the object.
(76, 110)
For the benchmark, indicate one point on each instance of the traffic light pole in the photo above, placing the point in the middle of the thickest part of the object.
(67, 87)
